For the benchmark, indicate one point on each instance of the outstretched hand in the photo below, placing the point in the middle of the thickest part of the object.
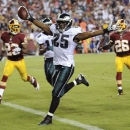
(111, 27)
(108, 28)
(24, 14)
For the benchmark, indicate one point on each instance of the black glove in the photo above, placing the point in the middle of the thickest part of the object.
(30, 18)
(27, 14)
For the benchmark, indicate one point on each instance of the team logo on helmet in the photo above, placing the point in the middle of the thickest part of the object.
(121, 25)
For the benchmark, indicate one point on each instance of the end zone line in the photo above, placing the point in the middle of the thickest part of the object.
(40, 113)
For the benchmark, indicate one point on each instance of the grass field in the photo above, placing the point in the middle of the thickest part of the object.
(96, 107)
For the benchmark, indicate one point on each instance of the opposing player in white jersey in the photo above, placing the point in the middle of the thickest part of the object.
(65, 39)
(45, 48)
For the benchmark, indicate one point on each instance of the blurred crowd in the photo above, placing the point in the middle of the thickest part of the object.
(89, 14)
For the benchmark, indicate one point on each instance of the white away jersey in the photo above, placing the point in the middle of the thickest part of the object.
(46, 40)
(63, 45)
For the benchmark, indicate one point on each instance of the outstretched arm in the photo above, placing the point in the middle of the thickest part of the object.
(24, 14)
(44, 27)
(86, 35)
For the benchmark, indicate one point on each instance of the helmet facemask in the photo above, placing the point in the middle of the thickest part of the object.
(121, 25)
(64, 22)
(14, 26)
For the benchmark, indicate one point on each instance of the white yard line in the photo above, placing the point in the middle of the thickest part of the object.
(40, 113)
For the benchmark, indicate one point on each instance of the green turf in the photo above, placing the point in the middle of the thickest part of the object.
(96, 105)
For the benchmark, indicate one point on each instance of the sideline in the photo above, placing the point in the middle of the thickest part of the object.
(40, 113)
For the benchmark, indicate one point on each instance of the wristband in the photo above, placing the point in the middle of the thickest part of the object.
(31, 19)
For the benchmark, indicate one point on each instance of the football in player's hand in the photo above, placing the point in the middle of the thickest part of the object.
(22, 12)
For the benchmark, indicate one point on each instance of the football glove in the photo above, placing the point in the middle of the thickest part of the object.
(108, 28)
(28, 17)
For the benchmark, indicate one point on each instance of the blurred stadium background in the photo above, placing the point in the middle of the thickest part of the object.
(89, 14)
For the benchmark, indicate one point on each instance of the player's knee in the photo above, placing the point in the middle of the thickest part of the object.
(59, 95)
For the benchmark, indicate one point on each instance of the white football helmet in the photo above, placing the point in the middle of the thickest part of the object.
(64, 22)
(14, 26)
(47, 21)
